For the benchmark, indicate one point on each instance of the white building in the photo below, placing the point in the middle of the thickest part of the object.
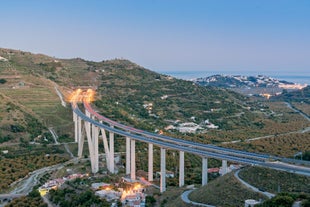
(188, 127)
(250, 203)
(3, 59)
(109, 195)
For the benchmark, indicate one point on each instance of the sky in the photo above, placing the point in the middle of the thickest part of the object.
(165, 35)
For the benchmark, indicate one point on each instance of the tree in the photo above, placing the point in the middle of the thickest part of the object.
(306, 203)
(150, 201)
(34, 193)
(306, 156)
(281, 200)
(2, 81)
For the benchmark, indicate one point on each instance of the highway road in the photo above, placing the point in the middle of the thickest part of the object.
(207, 147)
(197, 145)
(26, 185)
(202, 150)
(164, 144)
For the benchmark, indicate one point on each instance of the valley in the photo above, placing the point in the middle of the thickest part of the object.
(137, 97)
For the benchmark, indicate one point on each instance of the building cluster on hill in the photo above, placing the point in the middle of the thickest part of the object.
(56, 183)
(129, 197)
(191, 127)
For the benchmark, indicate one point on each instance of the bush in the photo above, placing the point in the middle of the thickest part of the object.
(17, 128)
(281, 200)
(150, 201)
(5, 138)
(2, 81)
(306, 156)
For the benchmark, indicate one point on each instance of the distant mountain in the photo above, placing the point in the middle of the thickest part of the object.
(239, 81)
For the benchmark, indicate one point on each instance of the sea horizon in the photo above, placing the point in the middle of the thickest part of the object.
(302, 78)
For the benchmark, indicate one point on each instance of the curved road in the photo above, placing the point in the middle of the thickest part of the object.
(167, 145)
(269, 195)
(185, 194)
(182, 145)
(25, 186)
(187, 143)
(185, 199)
(289, 105)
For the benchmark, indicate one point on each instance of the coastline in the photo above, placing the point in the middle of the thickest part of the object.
(189, 75)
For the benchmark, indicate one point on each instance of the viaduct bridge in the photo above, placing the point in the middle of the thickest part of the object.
(95, 125)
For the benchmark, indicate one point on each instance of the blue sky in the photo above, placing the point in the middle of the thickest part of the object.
(165, 35)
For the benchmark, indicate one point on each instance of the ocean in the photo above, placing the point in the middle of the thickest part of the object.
(188, 75)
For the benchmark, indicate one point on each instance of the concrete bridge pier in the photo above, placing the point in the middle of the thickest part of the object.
(92, 133)
(181, 170)
(80, 137)
(204, 171)
(75, 118)
(133, 159)
(127, 155)
(162, 169)
(111, 157)
(95, 135)
(150, 163)
(224, 167)
(106, 148)
(90, 144)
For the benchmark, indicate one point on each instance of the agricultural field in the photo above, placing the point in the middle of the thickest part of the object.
(284, 118)
(302, 106)
(41, 101)
(281, 145)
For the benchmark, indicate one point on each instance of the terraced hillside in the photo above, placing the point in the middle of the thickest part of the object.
(30, 80)
(131, 94)
(17, 121)
(26, 96)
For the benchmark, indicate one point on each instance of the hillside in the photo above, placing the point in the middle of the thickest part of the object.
(139, 94)
(228, 191)
(259, 85)
(32, 87)
(131, 94)
(224, 191)
(126, 92)
(29, 99)
(272, 181)
(240, 81)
